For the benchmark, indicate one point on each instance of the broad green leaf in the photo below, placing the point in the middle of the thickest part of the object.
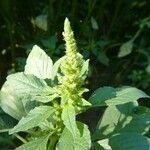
(125, 49)
(82, 141)
(129, 141)
(114, 119)
(38, 144)
(11, 103)
(24, 85)
(68, 117)
(33, 118)
(99, 96)
(39, 64)
(111, 96)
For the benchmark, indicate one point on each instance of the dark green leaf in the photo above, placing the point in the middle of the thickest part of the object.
(111, 96)
(129, 141)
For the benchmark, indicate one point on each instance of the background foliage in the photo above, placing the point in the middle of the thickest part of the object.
(114, 35)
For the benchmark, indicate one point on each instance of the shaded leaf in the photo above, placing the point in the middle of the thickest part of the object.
(114, 119)
(129, 141)
(41, 22)
(94, 24)
(125, 49)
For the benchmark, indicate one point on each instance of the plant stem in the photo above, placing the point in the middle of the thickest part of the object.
(53, 141)
(4, 130)
(20, 138)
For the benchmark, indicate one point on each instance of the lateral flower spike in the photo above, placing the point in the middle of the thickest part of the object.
(70, 79)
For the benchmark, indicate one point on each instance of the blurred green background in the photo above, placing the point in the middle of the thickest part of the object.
(114, 35)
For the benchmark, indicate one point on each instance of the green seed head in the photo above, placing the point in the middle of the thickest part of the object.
(70, 79)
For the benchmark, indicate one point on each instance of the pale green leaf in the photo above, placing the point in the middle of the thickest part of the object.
(82, 141)
(125, 49)
(111, 96)
(11, 103)
(23, 84)
(39, 64)
(129, 141)
(38, 144)
(33, 118)
(68, 117)
(85, 103)
(104, 144)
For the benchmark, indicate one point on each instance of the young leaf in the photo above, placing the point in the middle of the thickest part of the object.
(68, 117)
(38, 144)
(125, 49)
(34, 118)
(82, 141)
(129, 141)
(39, 64)
(111, 96)
(23, 84)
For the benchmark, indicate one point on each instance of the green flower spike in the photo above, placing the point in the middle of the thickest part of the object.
(73, 72)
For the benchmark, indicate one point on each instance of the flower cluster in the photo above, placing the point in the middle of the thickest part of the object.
(71, 78)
